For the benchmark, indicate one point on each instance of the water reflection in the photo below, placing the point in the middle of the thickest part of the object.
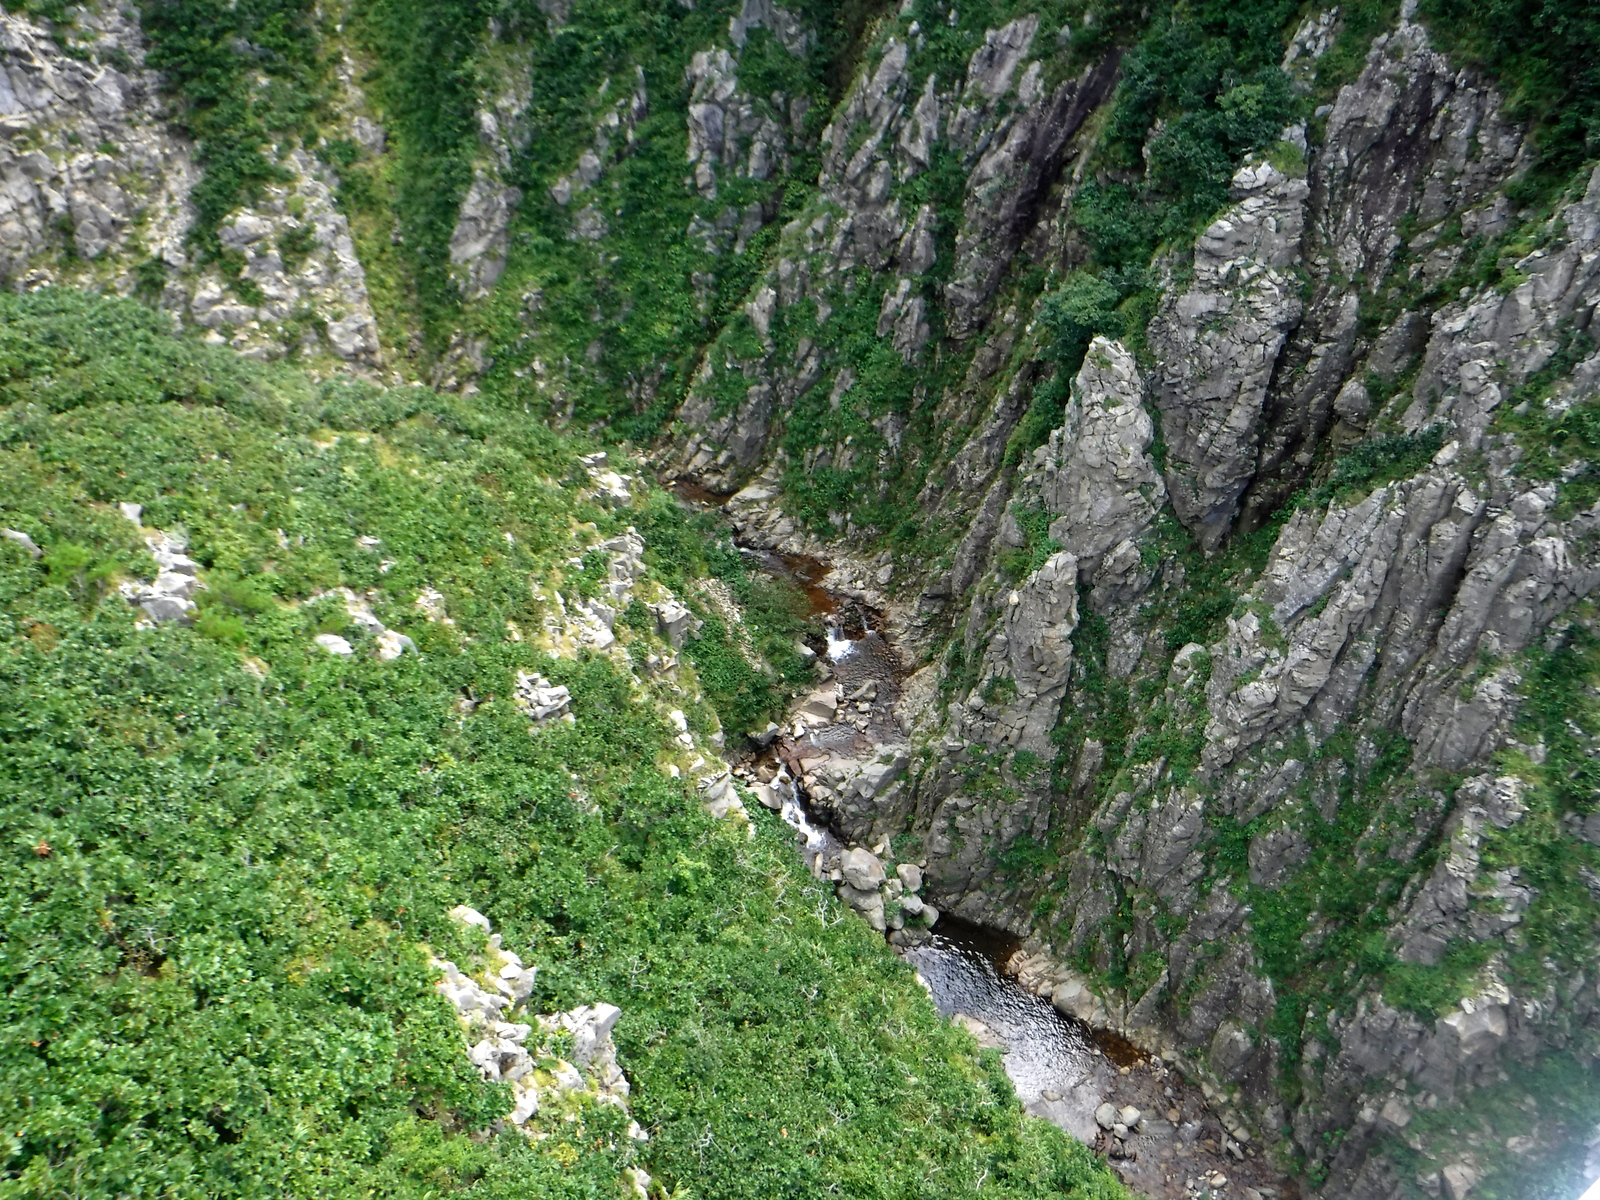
(1048, 1058)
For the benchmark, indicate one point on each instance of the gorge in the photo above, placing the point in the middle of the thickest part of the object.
(1118, 478)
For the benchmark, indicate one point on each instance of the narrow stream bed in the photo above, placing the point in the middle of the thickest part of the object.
(1161, 1139)
(1046, 1055)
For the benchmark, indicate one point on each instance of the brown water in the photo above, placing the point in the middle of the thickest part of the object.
(696, 492)
(806, 573)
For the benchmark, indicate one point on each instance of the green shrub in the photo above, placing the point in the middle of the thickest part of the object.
(1378, 461)
(1546, 53)
(1209, 72)
(210, 54)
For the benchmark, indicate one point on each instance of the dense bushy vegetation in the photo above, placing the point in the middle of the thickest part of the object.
(1209, 73)
(623, 317)
(229, 853)
(1545, 54)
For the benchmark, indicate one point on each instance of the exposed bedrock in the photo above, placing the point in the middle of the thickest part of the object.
(95, 192)
(1013, 138)
(1217, 343)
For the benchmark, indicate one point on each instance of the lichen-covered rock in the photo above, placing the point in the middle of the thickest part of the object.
(520, 1053)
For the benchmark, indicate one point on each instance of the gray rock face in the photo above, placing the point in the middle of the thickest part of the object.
(1217, 343)
(106, 188)
(479, 242)
(1027, 665)
(521, 1053)
(169, 596)
(29, 547)
(732, 134)
(1400, 615)
(101, 162)
(1016, 139)
(1488, 343)
(1016, 162)
(1414, 137)
(107, 175)
(329, 280)
(1096, 469)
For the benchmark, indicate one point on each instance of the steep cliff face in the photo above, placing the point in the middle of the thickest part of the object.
(1206, 400)
(96, 190)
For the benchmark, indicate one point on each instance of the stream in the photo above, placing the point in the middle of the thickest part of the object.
(1153, 1126)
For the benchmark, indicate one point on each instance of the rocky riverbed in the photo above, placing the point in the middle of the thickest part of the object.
(1153, 1125)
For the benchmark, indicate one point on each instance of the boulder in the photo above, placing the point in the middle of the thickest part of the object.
(820, 706)
(470, 917)
(331, 642)
(868, 903)
(1459, 1180)
(862, 869)
(675, 622)
(23, 540)
(392, 645)
(171, 608)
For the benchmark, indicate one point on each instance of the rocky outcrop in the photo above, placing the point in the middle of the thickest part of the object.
(1027, 662)
(733, 134)
(1413, 141)
(480, 239)
(1482, 347)
(301, 263)
(88, 171)
(546, 1084)
(1096, 472)
(1014, 138)
(1179, 727)
(170, 595)
(94, 192)
(1218, 341)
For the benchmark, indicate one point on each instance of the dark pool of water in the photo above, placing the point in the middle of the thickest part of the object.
(1045, 1052)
